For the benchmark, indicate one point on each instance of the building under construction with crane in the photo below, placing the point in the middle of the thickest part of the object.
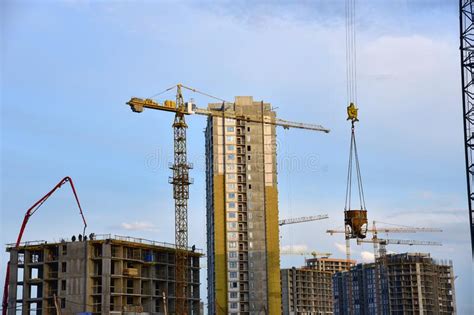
(102, 274)
(410, 283)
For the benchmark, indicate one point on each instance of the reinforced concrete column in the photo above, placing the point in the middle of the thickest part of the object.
(13, 281)
(106, 276)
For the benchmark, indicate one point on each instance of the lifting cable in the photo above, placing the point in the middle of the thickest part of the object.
(190, 89)
(351, 76)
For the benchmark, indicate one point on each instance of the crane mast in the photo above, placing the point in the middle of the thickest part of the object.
(466, 25)
(180, 182)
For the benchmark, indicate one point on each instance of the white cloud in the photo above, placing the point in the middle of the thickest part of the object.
(297, 248)
(340, 247)
(367, 256)
(138, 226)
(429, 218)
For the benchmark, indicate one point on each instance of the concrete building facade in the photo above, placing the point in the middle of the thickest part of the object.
(242, 211)
(309, 289)
(410, 283)
(104, 275)
(331, 265)
(364, 291)
(306, 291)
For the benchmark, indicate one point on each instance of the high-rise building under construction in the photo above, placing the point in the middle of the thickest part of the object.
(242, 210)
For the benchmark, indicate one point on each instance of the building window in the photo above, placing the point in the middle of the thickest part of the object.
(230, 138)
(230, 148)
(233, 285)
(231, 156)
(63, 267)
(231, 204)
(233, 305)
(64, 249)
(230, 129)
(232, 264)
(233, 295)
(249, 148)
(248, 157)
(231, 186)
(232, 245)
(232, 254)
(232, 215)
(231, 195)
(233, 274)
(231, 176)
(63, 303)
(248, 128)
(63, 285)
(232, 225)
(250, 186)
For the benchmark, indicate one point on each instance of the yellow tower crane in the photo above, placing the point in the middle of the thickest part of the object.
(180, 179)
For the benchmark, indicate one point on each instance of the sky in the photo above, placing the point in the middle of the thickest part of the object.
(68, 67)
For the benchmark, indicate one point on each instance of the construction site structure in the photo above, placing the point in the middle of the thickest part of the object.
(303, 219)
(332, 265)
(381, 251)
(309, 289)
(384, 242)
(306, 291)
(99, 274)
(466, 30)
(380, 244)
(411, 283)
(224, 112)
(304, 253)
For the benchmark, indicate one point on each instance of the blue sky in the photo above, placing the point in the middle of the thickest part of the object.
(68, 67)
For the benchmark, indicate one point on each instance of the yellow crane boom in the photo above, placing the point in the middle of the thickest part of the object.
(138, 104)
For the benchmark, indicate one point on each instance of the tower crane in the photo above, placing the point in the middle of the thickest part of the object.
(302, 219)
(181, 167)
(315, 254)
(385, 242)
(393, 229)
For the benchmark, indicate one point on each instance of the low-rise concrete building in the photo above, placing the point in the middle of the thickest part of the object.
(104, 274)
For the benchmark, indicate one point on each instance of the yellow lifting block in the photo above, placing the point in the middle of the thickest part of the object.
(352, 112)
